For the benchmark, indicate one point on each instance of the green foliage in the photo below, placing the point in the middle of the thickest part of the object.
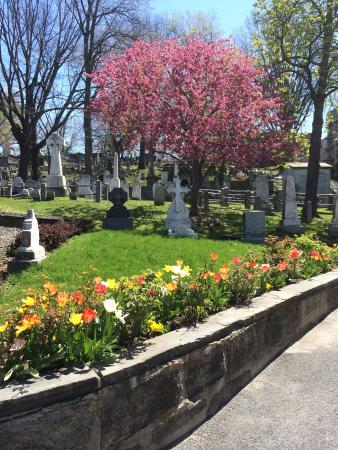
(52, 326)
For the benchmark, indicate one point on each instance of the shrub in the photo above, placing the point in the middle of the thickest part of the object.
(52, 327)
(52, 235)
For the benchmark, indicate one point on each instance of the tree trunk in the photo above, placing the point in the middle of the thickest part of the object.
(142, 156)
(87, 125)
(23, 162)
(196, 184)
(35, 163)
(314, 158)
(221, 175)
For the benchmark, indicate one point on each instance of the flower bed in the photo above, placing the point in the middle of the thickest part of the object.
(52, 328)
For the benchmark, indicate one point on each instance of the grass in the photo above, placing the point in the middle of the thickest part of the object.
(114, 254)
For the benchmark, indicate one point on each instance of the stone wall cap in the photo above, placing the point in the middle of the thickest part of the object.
(17, 397)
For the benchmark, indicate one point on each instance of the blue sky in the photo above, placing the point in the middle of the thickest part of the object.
(231, 13)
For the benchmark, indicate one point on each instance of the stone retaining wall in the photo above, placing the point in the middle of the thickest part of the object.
(157, 393)
(16, 220)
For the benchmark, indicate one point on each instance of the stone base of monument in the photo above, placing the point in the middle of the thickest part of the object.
(182, 232)
(333, 231)
(291, 228)
(58, 185)
(118, 223)
(25, 258)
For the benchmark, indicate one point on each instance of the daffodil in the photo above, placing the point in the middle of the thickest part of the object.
(4, 327)
(168, 268)
(268, 286)
(75, 318)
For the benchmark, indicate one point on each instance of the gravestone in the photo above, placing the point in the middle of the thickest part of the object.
(333, 226)
(105, 192)
(254, 226)
(36, 195)
(136, 191)
(178, 222)
(84, 186)
(118, 217)
(43, 191)
(106, 177)
(262, 193)
(30, 251)
(290, 222)
(17, 185)
(98, 191)
(308, 212)
(125, 187)
(224, 200)
(56, 182)
(151, 178)
(164, 178)
(9, 190)
(159, 193)
(25, 193)
(115, 181)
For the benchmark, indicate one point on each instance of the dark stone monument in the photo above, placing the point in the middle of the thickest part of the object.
(118, 217)
(254, 226)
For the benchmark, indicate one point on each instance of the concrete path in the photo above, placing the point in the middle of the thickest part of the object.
(291, 405)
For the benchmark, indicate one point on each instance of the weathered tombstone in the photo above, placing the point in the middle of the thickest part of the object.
(290, 222)
(43, 191)
(159, 193)
(136, 191)
(178, 222)
(105, 191)
(84, 186)
(115, 181)
(308, 212)
(262, 193)
(224, 200)
(125, 187)
(333, 226)
(9, 190)
(106, 177)
(118, 217)
(254, 226)
(164, 178)
(98, 191)
(30, 251)
(36, 195)
(25, 193)
(151, 179)
(50, 196)
(280, 200)
(17, 185)
(56, 182)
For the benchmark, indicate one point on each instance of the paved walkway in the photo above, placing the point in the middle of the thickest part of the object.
(291, 405)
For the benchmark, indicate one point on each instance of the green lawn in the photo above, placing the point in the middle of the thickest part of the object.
(114, 254)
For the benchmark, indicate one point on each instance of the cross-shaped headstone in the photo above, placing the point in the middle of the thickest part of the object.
(177, 189)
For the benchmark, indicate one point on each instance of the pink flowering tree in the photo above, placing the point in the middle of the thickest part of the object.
(202, 102)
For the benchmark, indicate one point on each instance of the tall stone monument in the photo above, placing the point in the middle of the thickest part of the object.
(115, 181)
(178, 222)
(56, 182)
(30, 251)
(333, 226)
(290, 221)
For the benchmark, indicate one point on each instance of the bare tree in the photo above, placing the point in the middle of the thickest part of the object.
(38, 84)
(104, 25)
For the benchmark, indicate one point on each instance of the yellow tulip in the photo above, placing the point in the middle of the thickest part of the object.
(29, 301)
(75, 318)
(4, 327)
(155, 327)
(158, 275)
(168, 268)
(112, 284)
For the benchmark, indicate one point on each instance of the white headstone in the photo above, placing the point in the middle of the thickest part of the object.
(30, 250)
(115, 181)
(85, 186)
(56, 182)
(178, 222)
(136, 190)
(106, 177)
(290, 222)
